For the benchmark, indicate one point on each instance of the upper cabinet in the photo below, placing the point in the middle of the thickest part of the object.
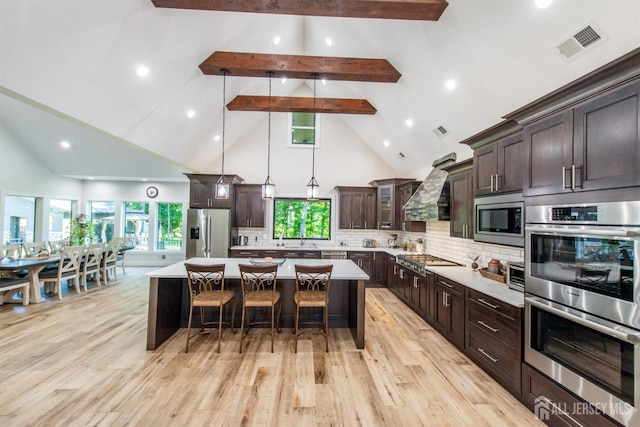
(357, 207)
(250, 206)
(391, 198)
(585, 136)
(497, 159)
(202, 189)
(461, 199)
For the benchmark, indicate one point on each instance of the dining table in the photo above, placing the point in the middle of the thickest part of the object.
(33, 266)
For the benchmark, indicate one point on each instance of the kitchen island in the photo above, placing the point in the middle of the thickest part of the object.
(169, 297)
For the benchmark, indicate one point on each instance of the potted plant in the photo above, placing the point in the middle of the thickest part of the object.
(81, 232)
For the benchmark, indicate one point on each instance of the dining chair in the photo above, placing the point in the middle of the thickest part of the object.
(206, 289)
(55, 246)
(312, 291)
(13, 250)
(124, 241)
(13, 284)
(259, 289)
(109, 260)
(91, 263)
(68, 270)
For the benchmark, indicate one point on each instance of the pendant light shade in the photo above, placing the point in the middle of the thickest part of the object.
(313, 189)
(222, 186)
(269, 187)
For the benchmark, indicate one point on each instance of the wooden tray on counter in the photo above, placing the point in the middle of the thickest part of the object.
(502, 278)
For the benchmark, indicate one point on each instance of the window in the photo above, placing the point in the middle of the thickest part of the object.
(169, 227)
(304, 130)
(102, 215)
(59, 219)
(296, 218)
(19, 219)
(136, 224)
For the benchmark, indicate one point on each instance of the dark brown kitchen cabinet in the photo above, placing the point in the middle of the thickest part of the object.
(389, 202)
(379, 273)
(493, 338)
(449, 310)
(405, 191)
(357, 207)
(245, 253)
(392, 273)
(202, 191)
(498, 166)
(403, 289)
(430, 295)
(461, 199)
(417, 295)
(364, 260)
(593, 145)
(250, 207)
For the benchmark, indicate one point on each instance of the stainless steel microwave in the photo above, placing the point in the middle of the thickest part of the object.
(499, 219)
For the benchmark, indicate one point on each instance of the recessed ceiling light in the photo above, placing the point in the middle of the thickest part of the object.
(216, 138)
(145, 179)
(283, 80)
(65, 144)
(276, 40)
(386, 142)
(329, 41)
(450, 84)
(543, 4)
(191, 113)
(142, 71)
(409, 122)
(90, 178)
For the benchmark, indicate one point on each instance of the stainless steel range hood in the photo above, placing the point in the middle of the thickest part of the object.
(430, 202)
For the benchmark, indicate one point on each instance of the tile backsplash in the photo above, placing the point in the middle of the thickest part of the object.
(437, 239)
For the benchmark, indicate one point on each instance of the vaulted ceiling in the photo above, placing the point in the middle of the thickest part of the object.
(68, 71)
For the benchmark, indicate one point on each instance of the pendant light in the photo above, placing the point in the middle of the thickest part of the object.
(313, 189)
(222, 186)
(269, 187)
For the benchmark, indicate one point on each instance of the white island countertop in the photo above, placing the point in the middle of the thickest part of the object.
(343, 269)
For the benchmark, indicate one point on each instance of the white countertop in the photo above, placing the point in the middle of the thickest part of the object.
(342, 269)
(474, 280)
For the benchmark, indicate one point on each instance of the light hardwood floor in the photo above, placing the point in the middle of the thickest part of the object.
(82, 361)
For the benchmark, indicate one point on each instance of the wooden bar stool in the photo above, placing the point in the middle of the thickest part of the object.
(312, 290)
(206, 289)
(259, 290)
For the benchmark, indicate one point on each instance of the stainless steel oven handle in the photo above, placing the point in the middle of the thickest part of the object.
(627, 335)
(590, 232)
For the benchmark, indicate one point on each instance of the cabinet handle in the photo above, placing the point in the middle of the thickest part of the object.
(447, 285)
(428, 273)
(497, 182)
(395, 270)
(564, 183)
(401, 274)
(493, 359)
(365, 225)
(492, 177)
(573, 177)
(487, 303)
(415, 282)
(445, 299)
(487, 326)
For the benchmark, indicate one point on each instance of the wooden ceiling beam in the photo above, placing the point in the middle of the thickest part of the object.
(289, 104)
(416, 10)
(300, 67)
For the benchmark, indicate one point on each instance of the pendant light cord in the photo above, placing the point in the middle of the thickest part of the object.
(269, 132)
(224, 102)
(315, 130)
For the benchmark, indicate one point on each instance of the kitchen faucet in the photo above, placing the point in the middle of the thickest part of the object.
(302, 240)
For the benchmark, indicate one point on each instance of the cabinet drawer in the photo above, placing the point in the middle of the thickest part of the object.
(244, 254)
(483, 302)
(451, 286)
(494, 357)
(496, 326)
(289, 254)
(272, 253)
(309, 254)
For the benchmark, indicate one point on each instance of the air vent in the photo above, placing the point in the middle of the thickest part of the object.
(584, 38)
(441, 131)
(401, 155)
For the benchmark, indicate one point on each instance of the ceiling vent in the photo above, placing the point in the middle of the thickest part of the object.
(441, 131)
(584, 38)
(401, 155)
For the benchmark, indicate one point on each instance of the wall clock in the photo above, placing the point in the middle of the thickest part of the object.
(152, 192)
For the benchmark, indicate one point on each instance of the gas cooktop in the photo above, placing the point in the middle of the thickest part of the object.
(418, 263)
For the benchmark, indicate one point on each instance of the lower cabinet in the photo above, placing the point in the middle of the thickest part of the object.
(392, 274)
(245, 253)
(449, 310)
(364, 260)
(555, 405)
(274, 253)
(493, 338)
(379, 276)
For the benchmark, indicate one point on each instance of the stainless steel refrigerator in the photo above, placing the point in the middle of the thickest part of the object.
(208, 233)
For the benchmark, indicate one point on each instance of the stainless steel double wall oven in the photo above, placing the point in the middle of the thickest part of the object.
(582, 312)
